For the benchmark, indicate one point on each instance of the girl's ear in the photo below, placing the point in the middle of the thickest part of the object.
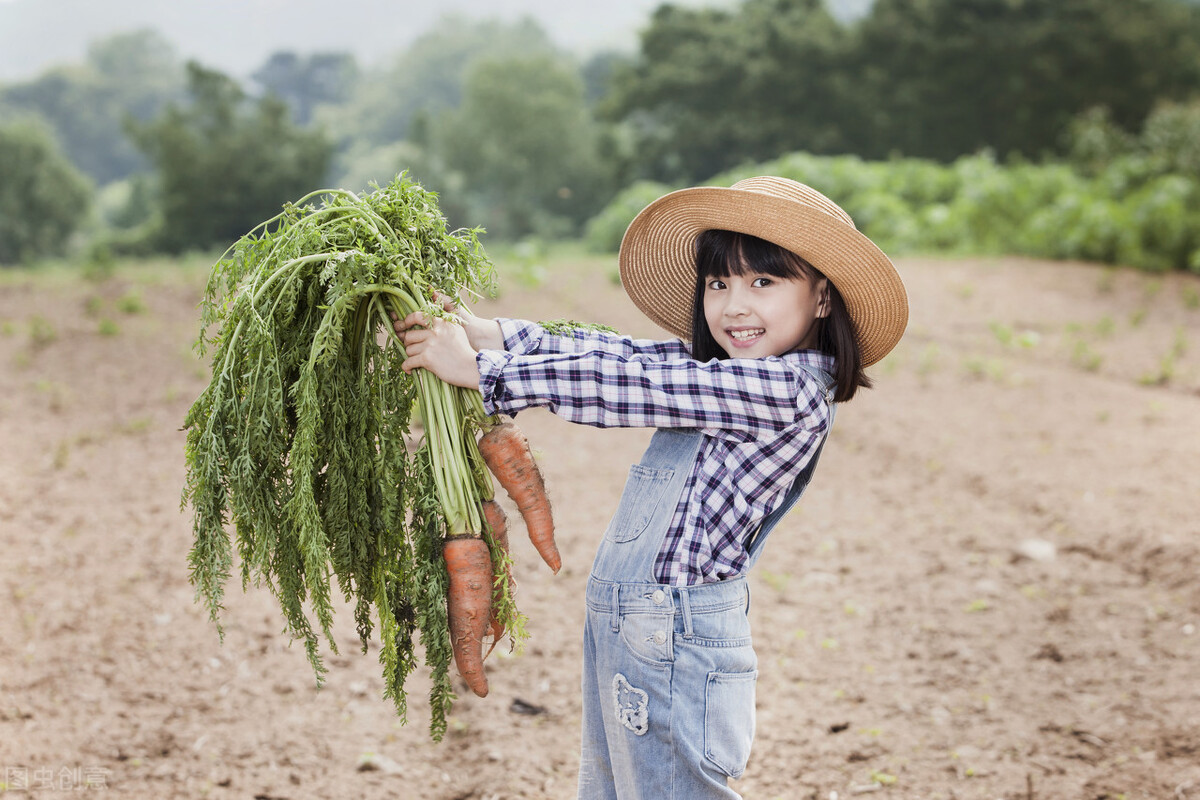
(823, 304)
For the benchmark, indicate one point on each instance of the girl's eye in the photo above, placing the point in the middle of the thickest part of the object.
(761, 282)
(716, 284)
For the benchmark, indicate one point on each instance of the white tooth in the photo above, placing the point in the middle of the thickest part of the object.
(746, 334)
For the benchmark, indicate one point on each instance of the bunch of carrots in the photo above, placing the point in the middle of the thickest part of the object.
(474, 606)
(304, 442)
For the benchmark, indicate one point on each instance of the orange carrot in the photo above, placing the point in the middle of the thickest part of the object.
(506, 452)
(497, 523)
(469, 601)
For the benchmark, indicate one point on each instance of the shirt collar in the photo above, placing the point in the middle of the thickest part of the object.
(813, 358)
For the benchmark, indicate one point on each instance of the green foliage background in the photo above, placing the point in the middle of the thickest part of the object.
(1053, 127)
(43, 198)
(224, 164)
(1119, 199)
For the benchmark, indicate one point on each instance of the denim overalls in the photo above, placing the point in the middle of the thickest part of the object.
(668, 671)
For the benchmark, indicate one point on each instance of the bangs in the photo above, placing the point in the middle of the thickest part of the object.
(720, 254)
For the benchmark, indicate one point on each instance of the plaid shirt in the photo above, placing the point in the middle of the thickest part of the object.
(761, 420)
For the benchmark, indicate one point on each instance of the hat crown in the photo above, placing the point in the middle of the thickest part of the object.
(797, 192)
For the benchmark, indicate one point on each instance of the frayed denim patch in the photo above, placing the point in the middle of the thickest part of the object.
(631, 705)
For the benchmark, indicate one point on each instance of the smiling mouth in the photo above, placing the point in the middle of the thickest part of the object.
(744, 336)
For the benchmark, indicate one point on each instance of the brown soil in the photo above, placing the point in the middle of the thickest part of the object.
(911, 641)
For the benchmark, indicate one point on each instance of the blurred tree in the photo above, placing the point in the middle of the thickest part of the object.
(1168, 144)
(597, 73)
(712, 88)
(43, 198)
(525, 145)
(945, 77)
(936, 78)
(1171, 136)
(1092, 141)
(306, 82)
(130, 75)
(225, 164)
(428, 77)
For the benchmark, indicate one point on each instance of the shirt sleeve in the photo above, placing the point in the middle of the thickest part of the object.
(528, 338)
(738, 399)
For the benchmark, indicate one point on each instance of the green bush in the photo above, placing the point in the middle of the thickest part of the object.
(604, 231)
(1126, 211)
(43, 199)
(223, 164)
(1165, 215)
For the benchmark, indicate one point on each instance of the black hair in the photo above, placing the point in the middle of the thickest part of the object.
(721, 253)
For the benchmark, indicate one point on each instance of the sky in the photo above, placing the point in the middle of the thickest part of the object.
(236, 36)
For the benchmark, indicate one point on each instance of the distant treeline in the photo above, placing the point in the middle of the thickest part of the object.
(524, 139)
(1118, 199)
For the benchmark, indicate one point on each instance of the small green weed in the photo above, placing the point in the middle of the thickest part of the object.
(1003, 333)
(1161, 376)
(62, 454)
(776, 580)
(1084, 357)
(882, 778)
(100, 264)
(928, 361)
(41, 331)
(135, 425)
(1008, 337)
(57, 395)
(989, 368)
(131, 303)
(1179, 347)
(1190, 297)
(106, 327)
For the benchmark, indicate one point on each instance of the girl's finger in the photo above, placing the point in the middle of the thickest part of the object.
(412, 362)
(448, 302)
(413, 320)
(415, 336)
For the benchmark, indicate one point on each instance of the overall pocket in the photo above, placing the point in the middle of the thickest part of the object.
(639, 499)
(729, 720)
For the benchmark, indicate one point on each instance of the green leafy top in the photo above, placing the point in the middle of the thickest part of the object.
(565, 327)
(302, 439)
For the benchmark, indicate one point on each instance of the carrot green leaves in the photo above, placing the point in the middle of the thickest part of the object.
(305, 456)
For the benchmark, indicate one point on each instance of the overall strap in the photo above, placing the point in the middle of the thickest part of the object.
(639, 526)
(755, 546)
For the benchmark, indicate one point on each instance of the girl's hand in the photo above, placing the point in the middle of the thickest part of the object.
(482, 333)
(440, 346)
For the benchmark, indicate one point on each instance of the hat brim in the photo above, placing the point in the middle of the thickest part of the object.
(658, 258)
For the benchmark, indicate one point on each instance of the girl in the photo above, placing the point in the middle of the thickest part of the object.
(783, 303)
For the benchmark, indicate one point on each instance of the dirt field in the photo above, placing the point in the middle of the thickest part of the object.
(988, 592)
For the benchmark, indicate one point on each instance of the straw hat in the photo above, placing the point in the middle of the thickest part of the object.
(658, 257)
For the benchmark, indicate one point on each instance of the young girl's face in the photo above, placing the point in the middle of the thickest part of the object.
(755, 315)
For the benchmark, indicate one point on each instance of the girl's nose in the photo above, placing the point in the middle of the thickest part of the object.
(736, 303)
